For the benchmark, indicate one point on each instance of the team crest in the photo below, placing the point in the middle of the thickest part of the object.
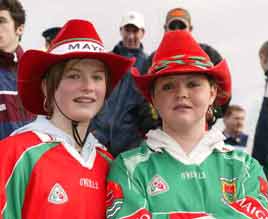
(157, 185)
(57, 195)
(229, 189)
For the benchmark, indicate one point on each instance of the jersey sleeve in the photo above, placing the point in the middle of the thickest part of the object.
(252, 197)
(125, 195)
(18, 156)
(11, 195)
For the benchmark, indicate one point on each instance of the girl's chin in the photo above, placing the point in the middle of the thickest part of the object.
(84, 118)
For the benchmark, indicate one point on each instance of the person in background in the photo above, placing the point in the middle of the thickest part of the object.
(183, 169)
(54, 167)
(49, 34)
(234, 122)
(12, 113)
(180, 19)
(123, 112)
(260, 145)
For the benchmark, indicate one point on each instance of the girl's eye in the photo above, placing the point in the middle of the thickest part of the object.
(98, 77)
(3, 20)
(73, 75)
(167, 86)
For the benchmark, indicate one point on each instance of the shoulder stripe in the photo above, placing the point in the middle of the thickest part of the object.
(106, 155)
(19, 178)
(7, 92)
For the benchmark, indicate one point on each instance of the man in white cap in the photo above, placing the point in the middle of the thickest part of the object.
(122, 112)
(132, 30)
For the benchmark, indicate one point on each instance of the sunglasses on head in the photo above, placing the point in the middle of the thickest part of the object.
(177, 25)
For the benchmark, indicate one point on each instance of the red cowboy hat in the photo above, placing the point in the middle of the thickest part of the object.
(77, 39)
(179, 53)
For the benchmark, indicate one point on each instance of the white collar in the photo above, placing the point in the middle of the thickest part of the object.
(43, 127)
(158, 140)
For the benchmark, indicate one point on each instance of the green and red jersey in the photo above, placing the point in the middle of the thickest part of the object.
(43, 179)
(217, 182)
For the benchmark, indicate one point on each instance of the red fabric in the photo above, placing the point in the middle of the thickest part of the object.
(86, 189)
(263, 187)
(9, 148)
(251, 208)
(181, 44)
(140, 214)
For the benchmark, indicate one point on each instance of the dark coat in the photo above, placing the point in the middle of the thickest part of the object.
(260, 145)
(117, 126)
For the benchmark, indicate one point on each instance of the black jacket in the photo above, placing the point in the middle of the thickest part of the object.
(260, 145)
(117, 126)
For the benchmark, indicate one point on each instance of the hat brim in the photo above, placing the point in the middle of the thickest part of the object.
(185, 21)
(219, 72)
(34, 64)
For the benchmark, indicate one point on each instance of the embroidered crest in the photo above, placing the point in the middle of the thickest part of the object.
(229, 189)
(57, 195)
(157, 185)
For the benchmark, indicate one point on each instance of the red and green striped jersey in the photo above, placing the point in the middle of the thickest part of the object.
(227, 184)
(43, 180)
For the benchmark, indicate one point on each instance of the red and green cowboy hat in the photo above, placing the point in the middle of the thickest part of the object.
(179, 53)
(77, 39)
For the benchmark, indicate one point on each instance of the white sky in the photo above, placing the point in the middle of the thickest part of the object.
(236, 28)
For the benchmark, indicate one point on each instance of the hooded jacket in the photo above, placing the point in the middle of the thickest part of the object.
(12, 113)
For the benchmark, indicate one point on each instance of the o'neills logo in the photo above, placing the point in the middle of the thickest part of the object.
(251, 208)
(77, 46)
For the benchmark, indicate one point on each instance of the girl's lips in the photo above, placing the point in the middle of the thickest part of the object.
(181, 107)
(84, 100)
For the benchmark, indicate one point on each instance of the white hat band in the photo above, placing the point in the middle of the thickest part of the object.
(77, 46)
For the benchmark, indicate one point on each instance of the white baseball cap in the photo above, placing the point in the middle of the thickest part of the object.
(134, 18)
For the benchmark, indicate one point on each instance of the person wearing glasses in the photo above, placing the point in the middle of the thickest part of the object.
(180, 19)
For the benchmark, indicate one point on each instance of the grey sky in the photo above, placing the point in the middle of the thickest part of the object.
(236, 28)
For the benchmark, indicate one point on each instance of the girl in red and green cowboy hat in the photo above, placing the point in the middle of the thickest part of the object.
(54, 167)
(183, 169)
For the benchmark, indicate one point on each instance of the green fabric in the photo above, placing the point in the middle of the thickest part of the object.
(209, 187)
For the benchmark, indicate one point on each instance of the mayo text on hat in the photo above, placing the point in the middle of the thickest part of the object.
(77, 46)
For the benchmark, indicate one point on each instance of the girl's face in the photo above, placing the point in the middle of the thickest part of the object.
(81, 91)
(183, 100)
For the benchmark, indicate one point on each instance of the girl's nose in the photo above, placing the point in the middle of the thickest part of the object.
(181, 91)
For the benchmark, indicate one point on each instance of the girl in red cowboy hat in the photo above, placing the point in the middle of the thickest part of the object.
(54, 167)
(183, 170)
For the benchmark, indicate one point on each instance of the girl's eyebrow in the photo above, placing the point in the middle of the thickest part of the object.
(73, 68)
